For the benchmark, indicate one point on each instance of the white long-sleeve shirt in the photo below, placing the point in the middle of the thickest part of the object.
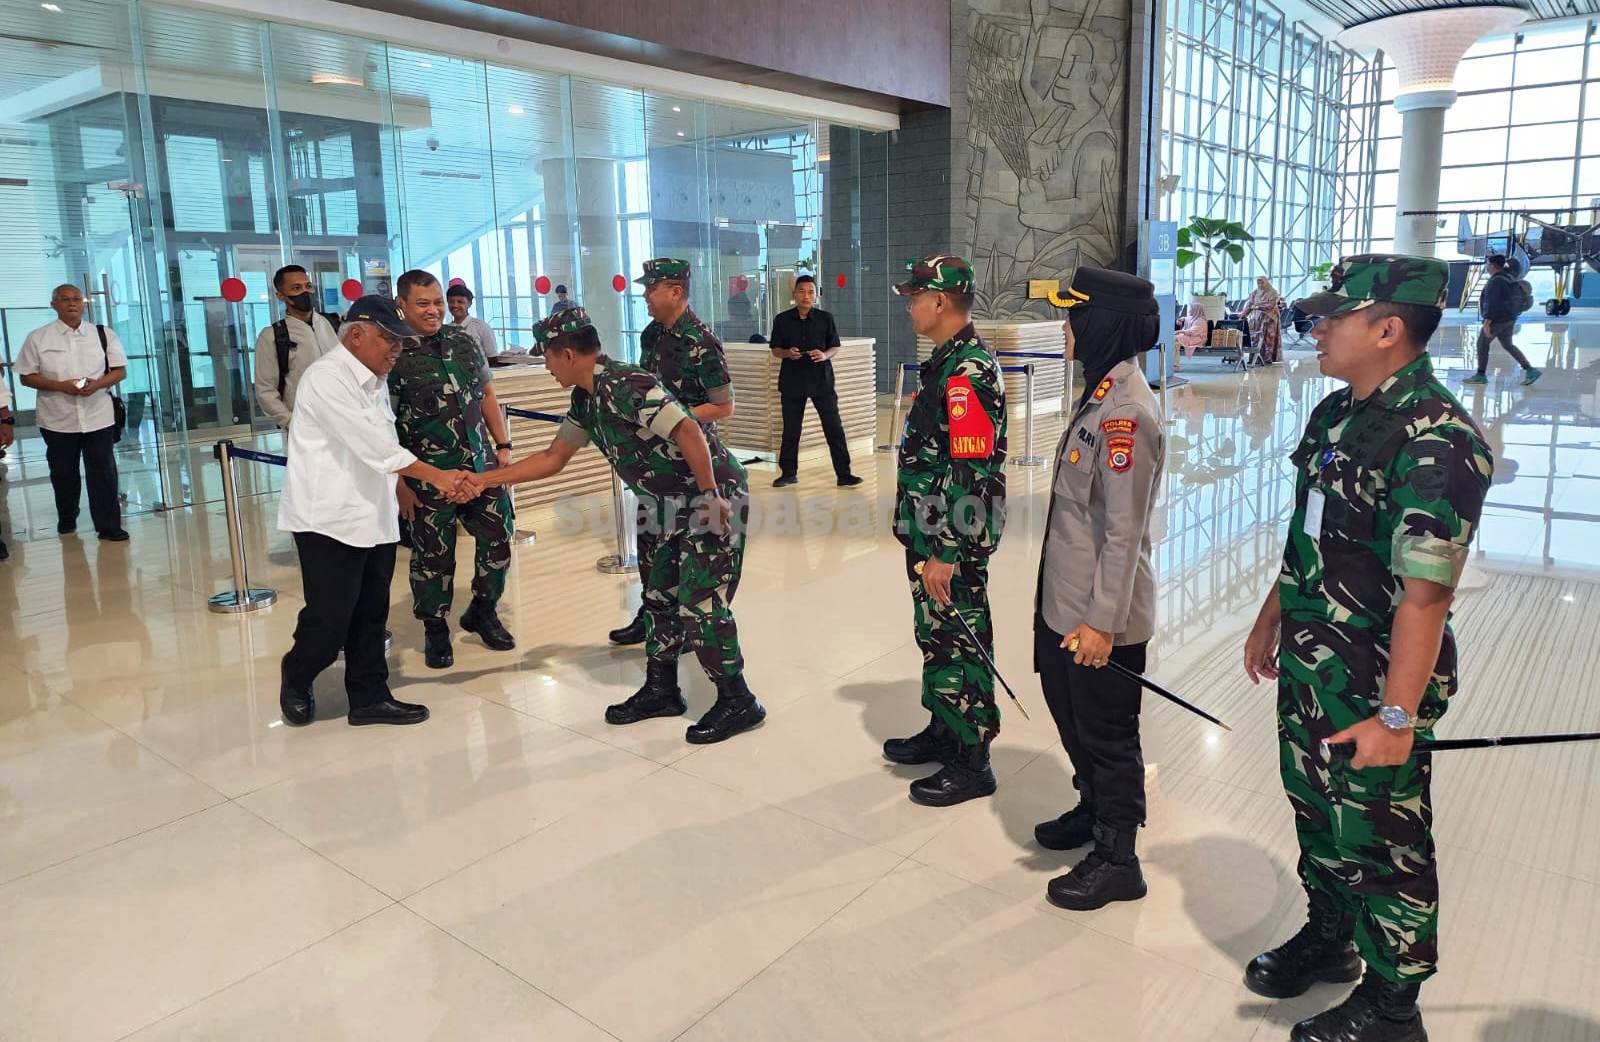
(343, 455)
(310, 342)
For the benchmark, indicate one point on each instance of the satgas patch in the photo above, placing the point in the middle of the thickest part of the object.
(971, 430)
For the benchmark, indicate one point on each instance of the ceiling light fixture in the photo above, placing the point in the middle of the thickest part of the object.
(333, 79)
(514, 110)
(680, 133)
(675, 108)
(425, 65)
(52, 8)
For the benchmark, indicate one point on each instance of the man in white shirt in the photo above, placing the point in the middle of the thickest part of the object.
(459, 300)
(339, 502)
(73, 364)
(286, 349)
(8, 433)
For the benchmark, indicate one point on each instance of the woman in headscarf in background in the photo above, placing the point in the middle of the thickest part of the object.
(1191, 335)
(1095, 600)
(1263, 313)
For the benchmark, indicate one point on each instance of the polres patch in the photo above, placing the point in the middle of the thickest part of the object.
(1119, 425)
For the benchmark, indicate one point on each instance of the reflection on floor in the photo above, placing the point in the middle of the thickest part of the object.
(176, 864)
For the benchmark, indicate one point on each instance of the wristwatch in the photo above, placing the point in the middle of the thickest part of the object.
(9, 421)
(1396, 719)
(502, 445)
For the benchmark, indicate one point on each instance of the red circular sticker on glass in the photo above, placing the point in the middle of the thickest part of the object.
(542, 284)
(619, 283)
(839, 281)
(351, 289)
(233, 290)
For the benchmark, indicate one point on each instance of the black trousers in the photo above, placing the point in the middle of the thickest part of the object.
(1500, 331)
(794, 414)
(97, 450)
(347, 604)
(1097, 713)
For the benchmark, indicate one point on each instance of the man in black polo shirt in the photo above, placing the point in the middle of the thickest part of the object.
(806, 339)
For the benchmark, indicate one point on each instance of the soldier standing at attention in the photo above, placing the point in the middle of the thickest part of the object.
(1391, 476)
(695, 562)
(688, 359)
(443, 399)
(950, 494)
(1096, 596)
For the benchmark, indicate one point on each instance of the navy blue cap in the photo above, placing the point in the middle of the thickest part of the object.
(381, 312)
(561, 289)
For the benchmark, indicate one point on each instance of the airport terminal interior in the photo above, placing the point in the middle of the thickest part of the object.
(177, 862)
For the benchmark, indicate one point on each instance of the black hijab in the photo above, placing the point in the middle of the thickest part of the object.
(1118, 319)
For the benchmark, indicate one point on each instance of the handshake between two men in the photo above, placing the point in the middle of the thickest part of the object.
(458, 486)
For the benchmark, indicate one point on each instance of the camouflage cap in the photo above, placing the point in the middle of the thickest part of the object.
(1373, 278)
(941, 272)
(560, 323)
(664, 269)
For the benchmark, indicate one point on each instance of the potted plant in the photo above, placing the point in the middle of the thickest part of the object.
(1202, 239)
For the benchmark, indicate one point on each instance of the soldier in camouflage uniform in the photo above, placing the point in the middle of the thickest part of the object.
(1390, 481)
(703, 494)
(950, 495)
(443, 399)
(683, 353)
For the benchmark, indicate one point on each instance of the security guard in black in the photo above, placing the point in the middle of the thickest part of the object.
(805, 338)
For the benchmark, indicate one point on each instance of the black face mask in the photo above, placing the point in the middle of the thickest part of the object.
(302, 301)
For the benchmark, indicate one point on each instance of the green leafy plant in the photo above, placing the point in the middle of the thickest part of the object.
(1208, 238)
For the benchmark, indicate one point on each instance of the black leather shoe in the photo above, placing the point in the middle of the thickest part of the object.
(632, 633)
(660, 696)
(1072, 830)
(298, 707)
(66, 527)
(933, 744)
(784, 480)
(1323, 950)
(967, 776)
(480, 618)
(1109, 873)
(436, 644)
(389, 711)
(849, 481)
(735, 711)
(5, 553)
(116, 535)
(1377, 1011)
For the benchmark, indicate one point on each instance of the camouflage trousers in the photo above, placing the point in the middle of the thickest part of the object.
(957, 685)
(488, 519)
(690, 576)
(1366, 836)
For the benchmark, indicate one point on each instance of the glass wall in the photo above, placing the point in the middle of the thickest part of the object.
(153, 152)
(1256, 110)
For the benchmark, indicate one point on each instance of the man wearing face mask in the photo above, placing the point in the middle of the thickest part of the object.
(286, 349)
(1095, 600)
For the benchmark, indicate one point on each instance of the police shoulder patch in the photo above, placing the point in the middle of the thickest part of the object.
(1119, 425)
(1119, 453)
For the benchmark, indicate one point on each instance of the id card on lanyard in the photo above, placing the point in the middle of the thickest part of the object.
(1316, 500)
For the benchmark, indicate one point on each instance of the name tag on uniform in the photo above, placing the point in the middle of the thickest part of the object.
(1315, 501)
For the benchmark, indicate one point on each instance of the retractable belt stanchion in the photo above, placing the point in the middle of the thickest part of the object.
(1027, 459)
(894, 424)
(625, 509)
(242, 598)
(519, 536)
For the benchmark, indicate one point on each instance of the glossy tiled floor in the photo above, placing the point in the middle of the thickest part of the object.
(175, 864)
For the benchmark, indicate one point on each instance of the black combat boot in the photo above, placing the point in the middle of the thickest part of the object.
(734, 711)
(933, 744)
(436, 644)
(632, 633)
(1068, 832)
(298, 706)
(1109, 873)
(1323, 950)
(660, 695)
(1377, 1011)
(966, 776)
(480, 618)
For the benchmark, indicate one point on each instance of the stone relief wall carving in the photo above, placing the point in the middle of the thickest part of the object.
(1045, 98)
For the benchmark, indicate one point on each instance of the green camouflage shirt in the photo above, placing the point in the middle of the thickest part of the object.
(630, 416)
(689, 360)
(1402, 476)
(950, 490)
(438, 388)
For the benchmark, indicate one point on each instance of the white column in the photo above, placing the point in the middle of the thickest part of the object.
(1421, 155)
